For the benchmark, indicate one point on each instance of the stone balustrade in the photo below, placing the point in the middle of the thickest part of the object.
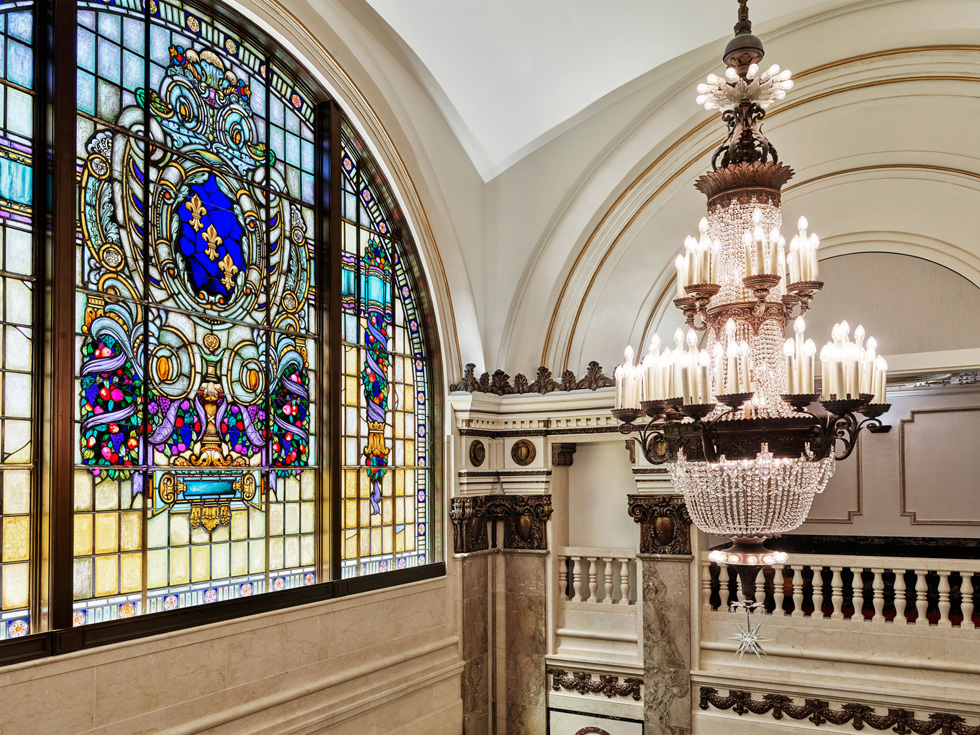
(601, 576)
(875, 589)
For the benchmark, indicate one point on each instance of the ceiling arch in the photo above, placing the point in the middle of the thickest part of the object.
(844, 85)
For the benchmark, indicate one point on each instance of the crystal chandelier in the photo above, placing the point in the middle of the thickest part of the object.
(733, 421)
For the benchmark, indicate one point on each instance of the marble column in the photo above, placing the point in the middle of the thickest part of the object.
(666, 643)
(526, 642)
(474, 575)
(665, 566)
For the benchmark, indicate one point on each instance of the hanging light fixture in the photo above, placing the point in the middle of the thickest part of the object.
(732, 421)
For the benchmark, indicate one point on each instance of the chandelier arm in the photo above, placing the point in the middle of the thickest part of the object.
(846, 430)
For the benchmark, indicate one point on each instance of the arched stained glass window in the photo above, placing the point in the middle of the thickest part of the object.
(17, 309)
(197, 349)
(184, 255)
(386, 421)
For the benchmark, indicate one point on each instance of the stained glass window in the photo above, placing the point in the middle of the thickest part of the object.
(17, 472)
(385, 413)
(197, 341)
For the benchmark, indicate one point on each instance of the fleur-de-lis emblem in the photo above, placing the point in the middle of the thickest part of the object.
(213, 239)
(196, 207)
(228, 270)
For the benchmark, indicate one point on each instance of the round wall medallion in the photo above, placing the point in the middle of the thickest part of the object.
(523, 452)
(478, 453)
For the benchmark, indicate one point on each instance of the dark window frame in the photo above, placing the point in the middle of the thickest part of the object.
(55, 198)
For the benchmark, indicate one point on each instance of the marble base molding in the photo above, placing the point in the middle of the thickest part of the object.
(665, 526)
(583, 683)
(525, 519)
(818, 711)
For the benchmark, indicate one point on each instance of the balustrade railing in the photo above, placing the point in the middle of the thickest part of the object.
(601, 576)
(876, 589)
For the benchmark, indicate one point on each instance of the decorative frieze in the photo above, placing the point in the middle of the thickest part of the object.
(819, 711)
(665, 526)
(499, 383)
(525, 519)
(583, 683)
(561, 454)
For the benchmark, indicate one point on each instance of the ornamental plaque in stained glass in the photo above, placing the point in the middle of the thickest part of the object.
(384, 415)
(197, 344)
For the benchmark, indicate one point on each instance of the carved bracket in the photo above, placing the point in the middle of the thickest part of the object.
(818, 711)
(561, 454)
(665, 526)
(525, 519)
(583, 683)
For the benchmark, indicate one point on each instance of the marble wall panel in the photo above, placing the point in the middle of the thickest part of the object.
(475, 634)
(667, 645)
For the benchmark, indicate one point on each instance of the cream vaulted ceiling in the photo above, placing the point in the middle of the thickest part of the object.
(513, 73)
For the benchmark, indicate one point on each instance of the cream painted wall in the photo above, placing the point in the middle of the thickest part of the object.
(598, 482)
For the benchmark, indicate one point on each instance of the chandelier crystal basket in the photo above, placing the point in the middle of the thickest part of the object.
(733, 421)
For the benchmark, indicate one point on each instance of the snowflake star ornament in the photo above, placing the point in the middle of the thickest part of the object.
(748, 638)
(726, 93)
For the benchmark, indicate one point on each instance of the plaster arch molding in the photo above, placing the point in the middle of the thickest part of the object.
(884, 160)
(307, 40)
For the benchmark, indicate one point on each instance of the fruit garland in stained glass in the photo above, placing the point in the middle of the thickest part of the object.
(376, 298)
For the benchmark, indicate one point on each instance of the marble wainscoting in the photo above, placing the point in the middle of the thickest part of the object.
(476, 642)
(526, 642)
(667, 643)
(379, 662)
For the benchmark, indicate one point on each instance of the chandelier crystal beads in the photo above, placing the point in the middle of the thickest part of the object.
(733, 420)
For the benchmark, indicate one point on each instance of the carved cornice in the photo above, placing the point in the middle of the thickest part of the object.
(665, 526)
(562, 454)
(583, 683)
(525, 519)
(499, 383)
(819, 712)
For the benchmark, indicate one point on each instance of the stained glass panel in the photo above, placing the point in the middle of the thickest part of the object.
(196, 340)
(17, 387)
(384, 416)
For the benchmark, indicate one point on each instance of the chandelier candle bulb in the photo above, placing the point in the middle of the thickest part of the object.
(773, 259)
(715, 259)
(743, 358)
(747, 245)
(681, 266)
(814, 268)
(719, 357)
(704, 381)
(880, 379)
(666, 373)
(789, 350)
(781, 259)
(731, 376)
(760, 254)
(809, 353)
(794, 260)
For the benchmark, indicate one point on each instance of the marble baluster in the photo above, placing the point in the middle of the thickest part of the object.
(577, 579)
(733, 574)
(901, 602)
(816, 584)
(966, 600)
(879, 595)
(921, 604)
(944, 621)
(706, 586)
(837, 594)
(607, 579)
(797, 592)
(593, 579)
(563, 577)
(624, 582)
(778, 592)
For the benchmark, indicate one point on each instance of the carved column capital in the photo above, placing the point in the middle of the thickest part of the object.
(665, 526)
(525, 519)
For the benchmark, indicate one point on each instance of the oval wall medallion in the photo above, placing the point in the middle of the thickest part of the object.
(523, 452)
(478, 453)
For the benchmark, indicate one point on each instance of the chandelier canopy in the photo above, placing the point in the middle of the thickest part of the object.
(733, 419)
